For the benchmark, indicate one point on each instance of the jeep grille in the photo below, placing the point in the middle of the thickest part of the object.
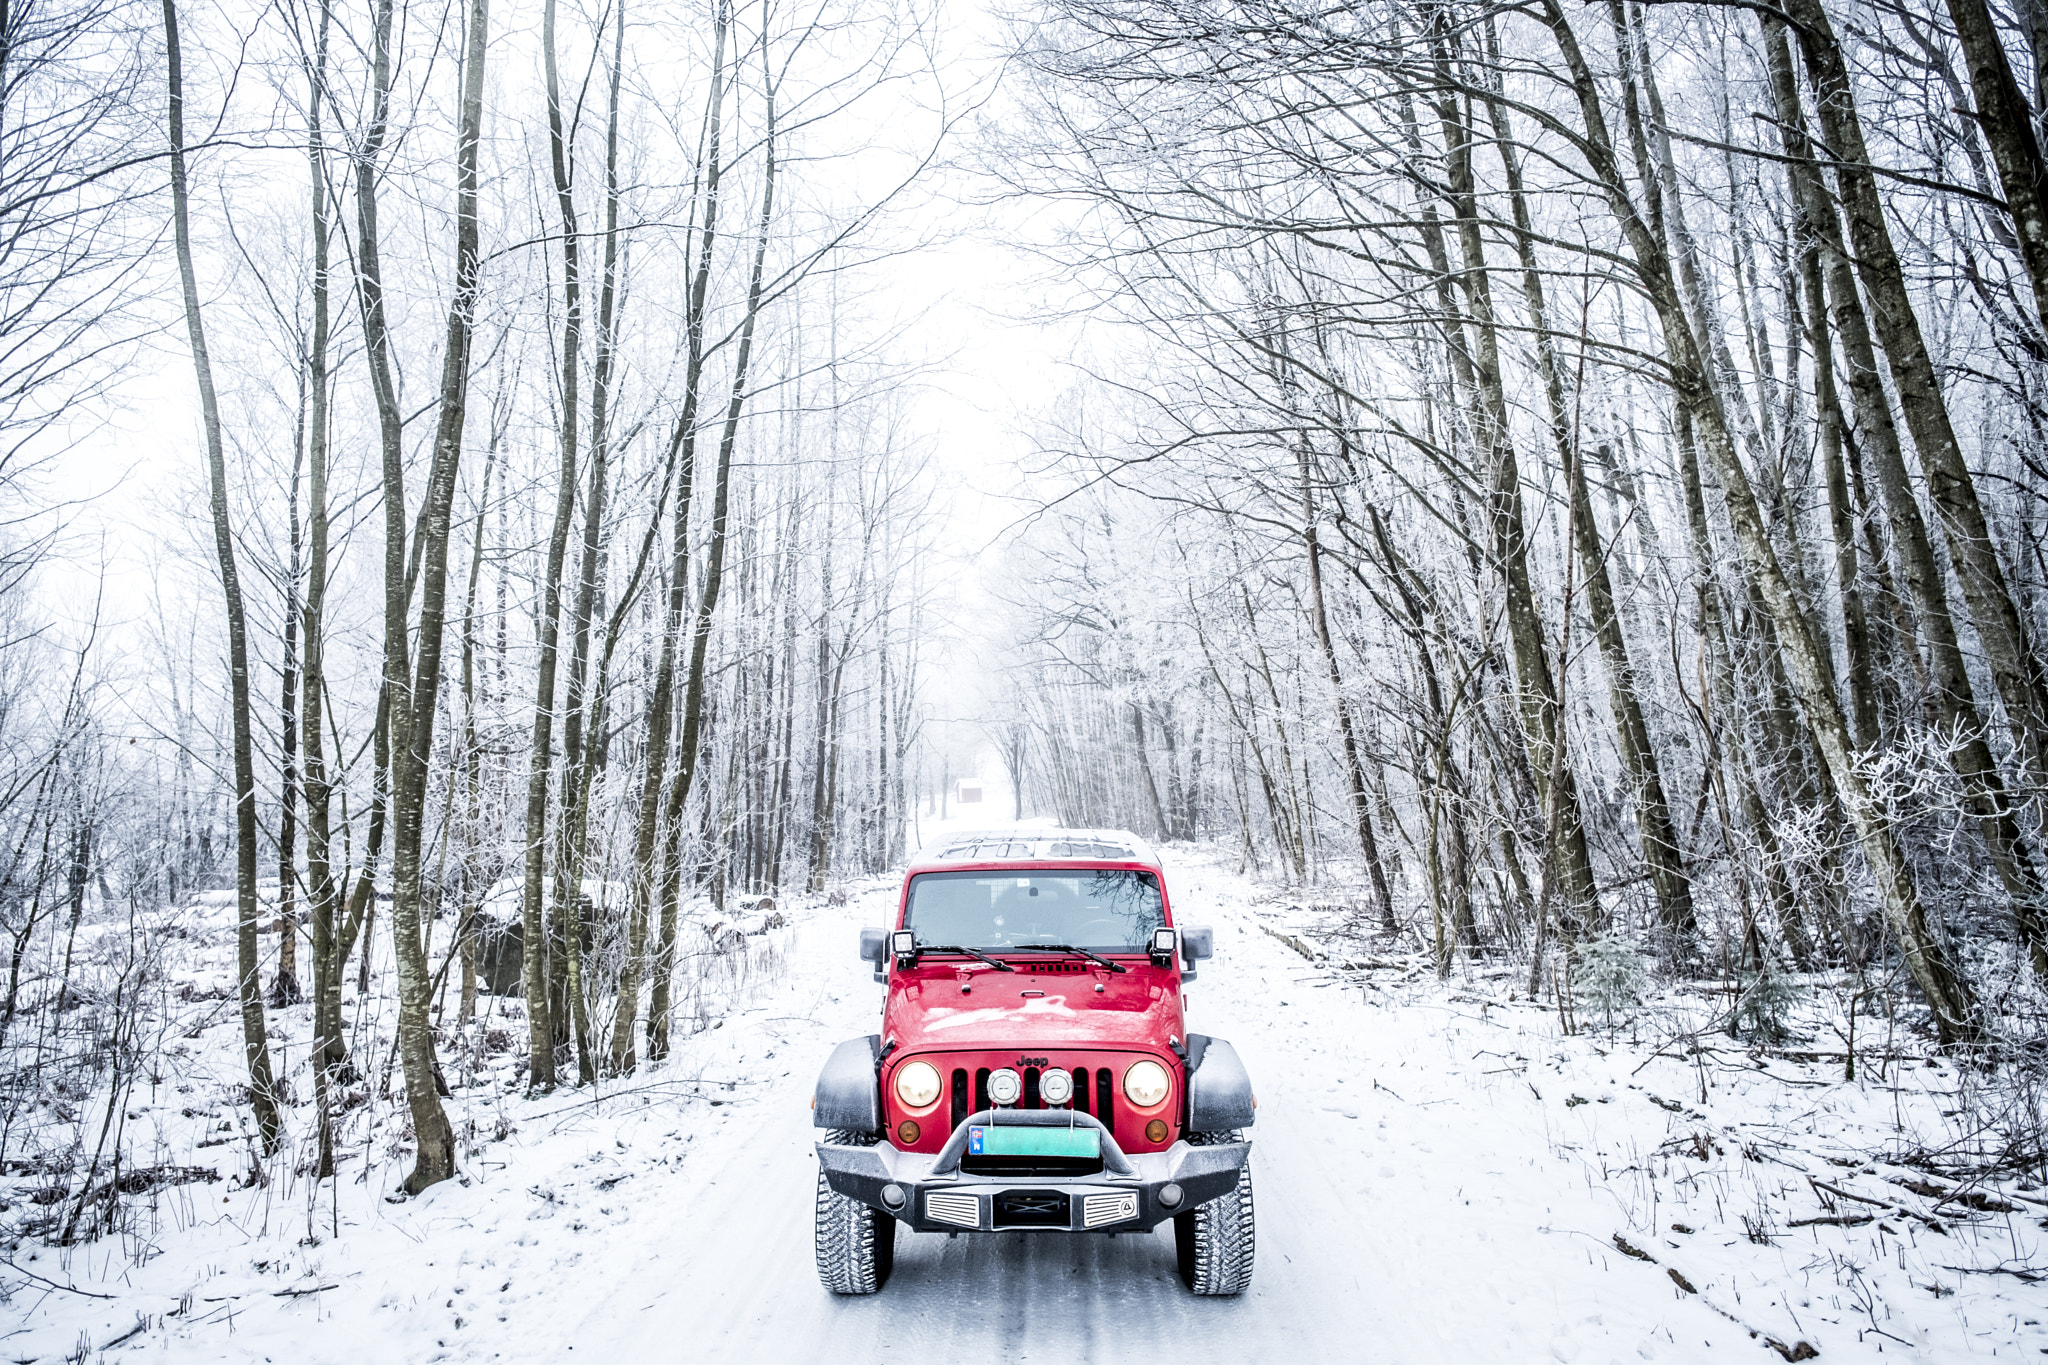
(1094, 1093)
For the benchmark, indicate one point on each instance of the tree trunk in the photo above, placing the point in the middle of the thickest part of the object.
(320, 883)
(483, 767)
(284, 989)
(255, 1046)
(2008, 126)
(534, 956)
(1859, 669)
(1347, 731)
(782, 805)
(1140, 748)
(1450, 887)
(682, 455)
(475, 884)
(577, 761)
(361, 914)
(714, 567)
(414, 707)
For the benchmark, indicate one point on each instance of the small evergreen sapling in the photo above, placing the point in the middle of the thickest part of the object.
(1769, 995)
(1609, 976)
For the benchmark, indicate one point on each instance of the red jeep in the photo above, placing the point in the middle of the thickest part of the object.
(1033, 1072)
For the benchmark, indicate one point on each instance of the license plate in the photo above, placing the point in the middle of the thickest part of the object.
(998, 1141)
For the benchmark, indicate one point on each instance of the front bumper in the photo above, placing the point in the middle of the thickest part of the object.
(937, 1195)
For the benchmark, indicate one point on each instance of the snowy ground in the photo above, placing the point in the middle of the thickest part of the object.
(1441, 1176)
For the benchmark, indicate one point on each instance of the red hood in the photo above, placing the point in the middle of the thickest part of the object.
(927, 1011)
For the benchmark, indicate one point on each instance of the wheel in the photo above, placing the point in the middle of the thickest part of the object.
(1215, 1242)
(855, 1245)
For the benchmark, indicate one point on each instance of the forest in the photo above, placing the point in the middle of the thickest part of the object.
(1562, 483)
(1569, 471)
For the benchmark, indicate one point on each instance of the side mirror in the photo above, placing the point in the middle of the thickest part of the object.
(874, 945)
(1197, 944)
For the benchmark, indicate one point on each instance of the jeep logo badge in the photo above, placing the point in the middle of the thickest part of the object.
(1032, 1061)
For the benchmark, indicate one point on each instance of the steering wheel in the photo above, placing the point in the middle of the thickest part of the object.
(1097, 931)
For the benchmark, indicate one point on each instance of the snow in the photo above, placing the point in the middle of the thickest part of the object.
(1442, 1175)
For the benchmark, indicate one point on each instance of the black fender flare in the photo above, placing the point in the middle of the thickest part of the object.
(849, 1093)
(1219, 1088)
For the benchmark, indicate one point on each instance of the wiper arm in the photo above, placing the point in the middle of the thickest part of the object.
(1070, 948)
(969, 952)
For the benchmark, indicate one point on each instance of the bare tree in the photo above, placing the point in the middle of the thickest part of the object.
(415, 682)
(255, 1044)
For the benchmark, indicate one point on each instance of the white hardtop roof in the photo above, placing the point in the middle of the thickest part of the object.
(1031, 844)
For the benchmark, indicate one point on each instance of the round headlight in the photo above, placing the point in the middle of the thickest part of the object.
(1004, 1086)
(1145, 1084)
(1057, 1087)
(917, 1084)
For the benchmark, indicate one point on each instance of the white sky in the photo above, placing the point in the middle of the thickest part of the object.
(135, 484)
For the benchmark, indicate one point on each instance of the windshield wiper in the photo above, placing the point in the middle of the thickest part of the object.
(1068, 948)
(956, 948)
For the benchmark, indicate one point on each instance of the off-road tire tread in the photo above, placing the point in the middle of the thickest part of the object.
(1217, 1242)
(855, 1245)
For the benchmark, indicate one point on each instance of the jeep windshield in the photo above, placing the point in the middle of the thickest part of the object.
(1102, 909)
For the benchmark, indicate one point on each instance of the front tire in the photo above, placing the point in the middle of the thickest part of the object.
(1215, 1243)
(855, 1245)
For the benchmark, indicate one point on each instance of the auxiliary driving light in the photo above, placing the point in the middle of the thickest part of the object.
(893, 1196)
(1005, 1086)
(1169, 1196)
(1056, 1086)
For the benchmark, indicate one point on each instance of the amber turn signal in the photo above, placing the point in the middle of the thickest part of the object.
(906, 1132)
(1155, 1131)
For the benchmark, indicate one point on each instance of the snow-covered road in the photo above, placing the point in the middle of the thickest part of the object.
(1401, 1216)
(1440, 1177)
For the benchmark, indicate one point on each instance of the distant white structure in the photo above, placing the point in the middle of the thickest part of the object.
(967, 791)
